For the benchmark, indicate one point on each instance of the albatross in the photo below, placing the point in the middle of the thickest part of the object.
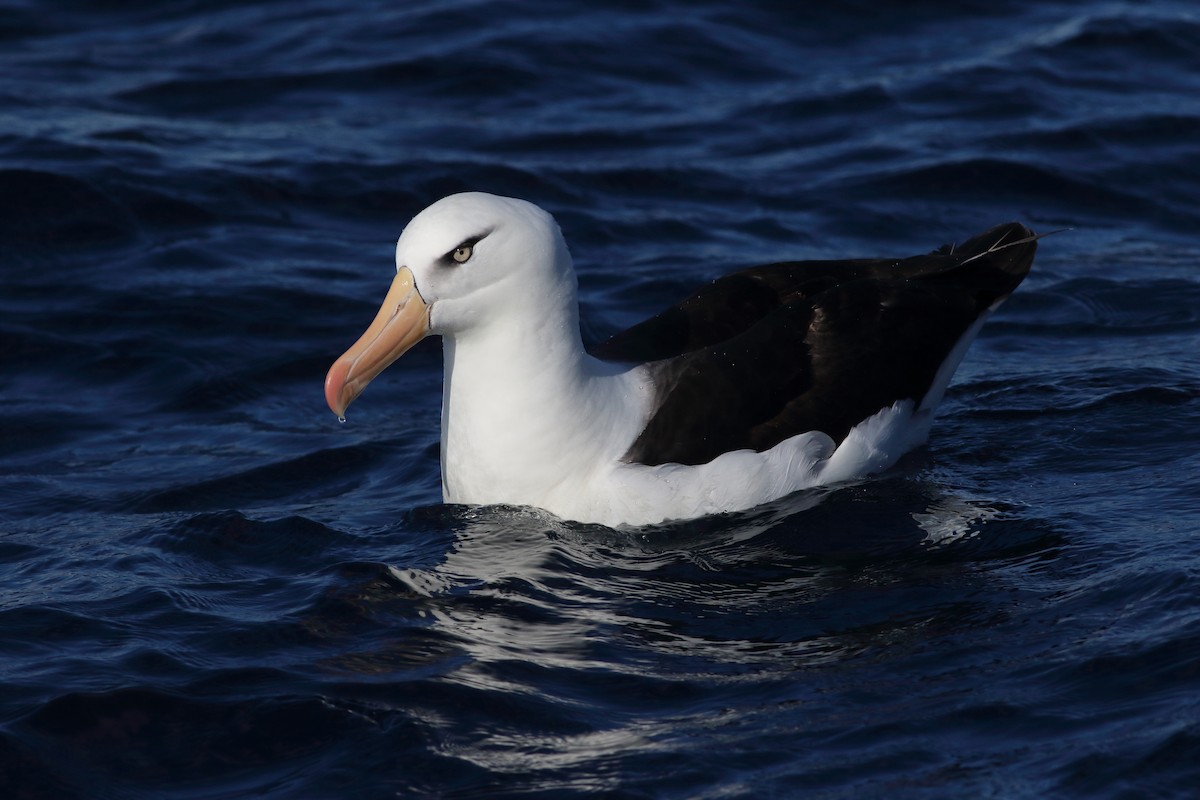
(764, 382)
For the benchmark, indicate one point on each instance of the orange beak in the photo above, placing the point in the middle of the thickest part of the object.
(402, 321)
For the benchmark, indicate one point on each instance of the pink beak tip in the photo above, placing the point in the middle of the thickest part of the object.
(335, 383)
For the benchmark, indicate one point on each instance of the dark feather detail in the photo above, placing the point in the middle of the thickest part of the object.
(768, 352)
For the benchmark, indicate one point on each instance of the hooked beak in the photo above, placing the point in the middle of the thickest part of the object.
(402, 321)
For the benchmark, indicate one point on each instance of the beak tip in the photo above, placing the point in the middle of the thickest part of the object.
(335, 385)
(402, 321)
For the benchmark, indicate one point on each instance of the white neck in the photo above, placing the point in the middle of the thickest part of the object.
(525, 409)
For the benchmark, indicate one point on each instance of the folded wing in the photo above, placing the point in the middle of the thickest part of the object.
(769, 352)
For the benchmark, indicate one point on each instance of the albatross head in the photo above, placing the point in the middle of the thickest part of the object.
(462, 264)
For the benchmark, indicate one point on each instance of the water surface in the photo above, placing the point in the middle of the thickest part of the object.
(212, 589)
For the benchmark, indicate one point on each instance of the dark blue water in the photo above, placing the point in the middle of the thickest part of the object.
(211, 589)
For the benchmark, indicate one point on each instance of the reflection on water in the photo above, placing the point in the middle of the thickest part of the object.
(952, 518)
(776, 589)
(574, 644)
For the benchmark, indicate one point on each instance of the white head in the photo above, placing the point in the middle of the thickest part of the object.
(462, 264)
(474, 255)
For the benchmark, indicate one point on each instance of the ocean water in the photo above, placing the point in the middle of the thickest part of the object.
(209, 588)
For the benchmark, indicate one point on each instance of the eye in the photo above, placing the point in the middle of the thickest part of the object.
(462, 254)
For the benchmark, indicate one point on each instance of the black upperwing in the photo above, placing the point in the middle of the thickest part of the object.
(769, 352)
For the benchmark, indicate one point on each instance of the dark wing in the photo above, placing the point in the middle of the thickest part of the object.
(768, 352)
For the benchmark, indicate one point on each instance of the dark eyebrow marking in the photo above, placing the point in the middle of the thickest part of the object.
(471, 241)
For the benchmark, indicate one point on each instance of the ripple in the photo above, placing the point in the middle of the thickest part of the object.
(213, 589)
(42, 209)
